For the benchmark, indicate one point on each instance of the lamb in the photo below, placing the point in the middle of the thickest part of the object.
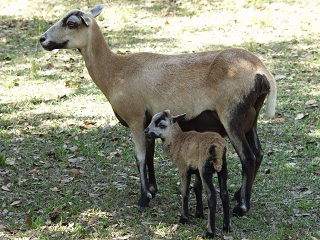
(221, 91)
(198, 153)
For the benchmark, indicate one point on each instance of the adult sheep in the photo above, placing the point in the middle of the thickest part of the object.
(216, 90)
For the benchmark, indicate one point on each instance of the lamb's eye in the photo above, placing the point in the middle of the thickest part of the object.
(162, 125)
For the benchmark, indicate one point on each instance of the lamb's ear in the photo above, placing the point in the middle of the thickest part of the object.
(178, 118)
(96, 10)
(166, 112)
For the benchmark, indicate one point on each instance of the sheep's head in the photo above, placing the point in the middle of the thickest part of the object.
(161, 123)
(71, 31)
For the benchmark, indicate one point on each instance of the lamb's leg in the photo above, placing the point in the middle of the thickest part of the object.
(223, 177)
(198, 192)
(206, 174)
(150, 164)
(185, 183)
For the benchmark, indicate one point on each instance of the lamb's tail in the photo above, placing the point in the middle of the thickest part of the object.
(217, 161)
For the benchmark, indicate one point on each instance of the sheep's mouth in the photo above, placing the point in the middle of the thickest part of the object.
(151, 135)
(54, 45)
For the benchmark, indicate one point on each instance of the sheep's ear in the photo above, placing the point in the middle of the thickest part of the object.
(85, 20)
(96, 10)
(178, 118)
(167, 112)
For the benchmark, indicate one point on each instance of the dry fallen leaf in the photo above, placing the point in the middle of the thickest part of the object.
(73, 149)
(93, 220)
(10, 161)
(311, 103)
(75, 171)
(5, 188)
(35, 170)
(28, 220)
(280, 119)
(300, 116)
(15, 203)
(94, 195)
(54, 189)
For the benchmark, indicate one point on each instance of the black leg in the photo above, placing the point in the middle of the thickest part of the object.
(185, 191)
(150, 164)
(223, 177)
(206, 176)
(198, 192)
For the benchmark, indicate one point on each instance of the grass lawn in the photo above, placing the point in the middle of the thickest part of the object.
(67, 167)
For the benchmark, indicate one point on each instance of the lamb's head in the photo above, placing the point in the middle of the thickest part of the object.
(71, 31)
(161, 123)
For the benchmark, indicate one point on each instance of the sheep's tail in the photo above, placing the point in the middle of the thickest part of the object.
(217, 161)
(272, 97)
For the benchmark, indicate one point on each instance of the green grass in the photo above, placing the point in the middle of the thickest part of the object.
(67, 167)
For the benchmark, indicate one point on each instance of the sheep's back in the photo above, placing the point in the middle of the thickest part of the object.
(194, 148)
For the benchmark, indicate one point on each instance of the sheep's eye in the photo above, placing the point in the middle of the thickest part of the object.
(162, 125)
(72, 24)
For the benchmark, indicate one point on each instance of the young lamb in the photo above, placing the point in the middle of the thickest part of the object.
(196, 153)
(216, 89)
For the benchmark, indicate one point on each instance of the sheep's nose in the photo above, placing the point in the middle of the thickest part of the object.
(42, 38)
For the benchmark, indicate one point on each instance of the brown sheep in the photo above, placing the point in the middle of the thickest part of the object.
(199, 153)
(221, 91)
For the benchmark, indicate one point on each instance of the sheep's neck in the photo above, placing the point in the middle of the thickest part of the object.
(168, 144)
(100, 60)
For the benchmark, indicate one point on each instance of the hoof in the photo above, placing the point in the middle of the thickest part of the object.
(144, 202)
(210, 235)
(237, 195)
(142, 209)
(184, 220)
(153, 190)
(199, 215)
(240, 210)
(227, 228)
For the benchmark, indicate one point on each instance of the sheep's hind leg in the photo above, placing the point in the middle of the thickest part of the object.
(248, 161)
(206, 174)
(185, 191)
(223, 177)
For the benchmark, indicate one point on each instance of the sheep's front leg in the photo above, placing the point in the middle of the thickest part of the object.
(206, 176)
(185, 191)
(140, 145)
(223, 176)
(198, 192)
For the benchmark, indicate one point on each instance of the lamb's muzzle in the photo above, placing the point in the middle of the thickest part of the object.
(221, 91)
